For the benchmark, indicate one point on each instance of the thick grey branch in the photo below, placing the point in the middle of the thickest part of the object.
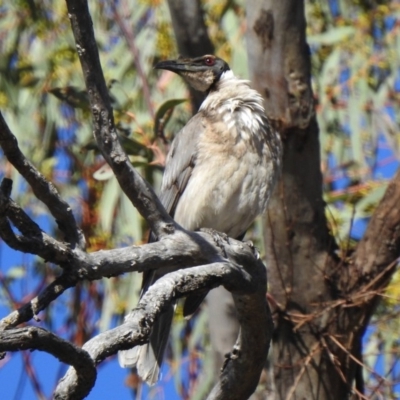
(248, 285)
(175, 251)
(44, 190)
(183, 249)
(136, 188)
(34, 338)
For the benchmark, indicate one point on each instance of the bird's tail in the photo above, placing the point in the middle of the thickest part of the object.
(148, 358)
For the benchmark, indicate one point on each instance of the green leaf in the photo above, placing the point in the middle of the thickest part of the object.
(368, 203)
(332, 36)
(132, 146)
(16, 272)
(108, 203)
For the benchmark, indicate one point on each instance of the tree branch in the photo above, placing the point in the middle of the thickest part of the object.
(44, 190)
(180, 250)
(248, 284)
(135, 187)
(34, 338)
(380, 245)
(39, 303)
(33, 239)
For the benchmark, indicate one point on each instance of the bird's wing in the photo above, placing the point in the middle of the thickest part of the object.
(179, 166)
(180, 162)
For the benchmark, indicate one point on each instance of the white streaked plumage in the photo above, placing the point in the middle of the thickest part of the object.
(219, 174)
(244, 129)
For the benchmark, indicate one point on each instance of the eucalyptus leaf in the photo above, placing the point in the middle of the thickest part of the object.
(16, 272)
(332, 36)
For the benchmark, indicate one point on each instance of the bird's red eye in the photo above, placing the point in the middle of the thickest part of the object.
(209, 61)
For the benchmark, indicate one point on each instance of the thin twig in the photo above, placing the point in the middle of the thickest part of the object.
(37, 304)
(313, 350)
(338, 368)
(130, 39)
(355, 359)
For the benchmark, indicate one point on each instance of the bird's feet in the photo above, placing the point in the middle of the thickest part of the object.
(219, 238)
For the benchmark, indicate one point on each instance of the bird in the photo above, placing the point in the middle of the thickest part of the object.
(219, 174)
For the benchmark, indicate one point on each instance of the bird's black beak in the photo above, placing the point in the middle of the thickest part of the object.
(200, 72)
(176, 66)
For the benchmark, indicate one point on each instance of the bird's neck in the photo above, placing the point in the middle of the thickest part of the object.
(231, 94)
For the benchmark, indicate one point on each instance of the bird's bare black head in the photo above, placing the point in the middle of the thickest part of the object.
(201, 72)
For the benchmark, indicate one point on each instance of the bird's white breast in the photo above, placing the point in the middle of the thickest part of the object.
(236, 167)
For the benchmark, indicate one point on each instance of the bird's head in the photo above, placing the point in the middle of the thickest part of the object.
(201, 72)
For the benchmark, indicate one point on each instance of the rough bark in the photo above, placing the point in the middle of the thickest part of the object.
(322, 303)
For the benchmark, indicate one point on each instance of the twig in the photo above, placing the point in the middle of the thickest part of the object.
(355, 359)
(44, 190)
(136, 57)
(336, 365)
(31, 309)
(313, 350)
(34, 338)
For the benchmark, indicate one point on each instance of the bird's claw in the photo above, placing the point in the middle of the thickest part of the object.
(218, 237)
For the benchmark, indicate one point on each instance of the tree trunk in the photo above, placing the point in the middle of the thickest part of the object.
(299, 247)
